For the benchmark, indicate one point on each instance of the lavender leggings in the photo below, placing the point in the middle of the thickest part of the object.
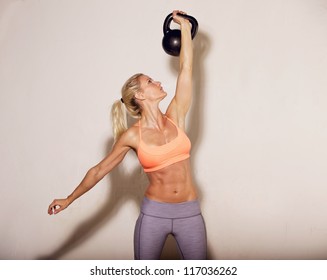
(182, 220)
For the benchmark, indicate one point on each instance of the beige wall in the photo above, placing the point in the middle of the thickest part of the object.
(258, 124)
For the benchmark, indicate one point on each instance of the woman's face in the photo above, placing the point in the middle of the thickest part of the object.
(152, 90)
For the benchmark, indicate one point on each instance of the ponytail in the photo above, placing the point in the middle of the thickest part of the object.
(127, 104)
(119, 119)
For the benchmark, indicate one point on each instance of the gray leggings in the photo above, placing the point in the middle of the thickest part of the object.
(182, 220)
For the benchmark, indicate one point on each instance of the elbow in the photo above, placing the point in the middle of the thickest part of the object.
(96, 173)
(186, 62)
(186, 68)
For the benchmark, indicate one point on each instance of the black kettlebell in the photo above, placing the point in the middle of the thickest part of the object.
(171, 41)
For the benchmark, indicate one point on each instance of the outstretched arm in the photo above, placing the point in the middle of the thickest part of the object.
(95, 174)
(182, 100)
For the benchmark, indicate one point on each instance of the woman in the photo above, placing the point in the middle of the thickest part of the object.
(170, 205)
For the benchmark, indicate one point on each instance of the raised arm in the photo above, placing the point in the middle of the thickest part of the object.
(96, 173)
(182, 100)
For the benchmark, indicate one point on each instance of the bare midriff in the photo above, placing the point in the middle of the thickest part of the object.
(172, 184)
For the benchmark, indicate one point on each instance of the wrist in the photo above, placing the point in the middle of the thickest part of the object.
(69, 199)
(185, 24)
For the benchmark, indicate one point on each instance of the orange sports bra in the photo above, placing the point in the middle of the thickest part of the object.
(153, 158)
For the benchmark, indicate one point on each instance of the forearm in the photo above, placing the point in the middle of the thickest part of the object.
(186, 53)
(90, 180)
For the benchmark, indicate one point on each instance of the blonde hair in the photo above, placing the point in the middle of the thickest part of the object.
(127, 104)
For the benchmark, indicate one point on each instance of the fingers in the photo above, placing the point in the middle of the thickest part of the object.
(52, 208)
(177, 16)
(56, 206)
(175, 12)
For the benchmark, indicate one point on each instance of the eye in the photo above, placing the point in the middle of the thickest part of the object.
(150, 81)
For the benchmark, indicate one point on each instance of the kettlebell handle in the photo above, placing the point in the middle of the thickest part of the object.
(193, 21)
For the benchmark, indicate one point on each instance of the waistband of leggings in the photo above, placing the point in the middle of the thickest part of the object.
(170, 210)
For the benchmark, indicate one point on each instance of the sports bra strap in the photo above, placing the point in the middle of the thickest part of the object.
(140, 131)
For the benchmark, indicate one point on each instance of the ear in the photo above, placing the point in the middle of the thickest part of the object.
(139, 95)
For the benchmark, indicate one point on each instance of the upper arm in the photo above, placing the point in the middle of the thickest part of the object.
(182, 100)
(116, 155)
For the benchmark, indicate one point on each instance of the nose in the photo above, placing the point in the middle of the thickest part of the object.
(157, 83)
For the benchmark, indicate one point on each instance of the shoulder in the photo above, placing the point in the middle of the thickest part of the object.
(130, 137)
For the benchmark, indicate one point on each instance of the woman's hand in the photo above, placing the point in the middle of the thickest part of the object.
(58, 205)
(179, 19)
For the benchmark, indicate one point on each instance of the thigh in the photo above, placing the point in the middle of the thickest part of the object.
(150, 236)
(190, 235)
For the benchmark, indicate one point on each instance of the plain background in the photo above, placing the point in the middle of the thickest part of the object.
(258, 124)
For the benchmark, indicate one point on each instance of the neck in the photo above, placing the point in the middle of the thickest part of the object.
(152, 117)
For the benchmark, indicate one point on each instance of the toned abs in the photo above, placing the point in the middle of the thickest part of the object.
(172, 184)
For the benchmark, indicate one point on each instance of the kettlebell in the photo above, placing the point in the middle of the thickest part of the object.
(171, 41)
